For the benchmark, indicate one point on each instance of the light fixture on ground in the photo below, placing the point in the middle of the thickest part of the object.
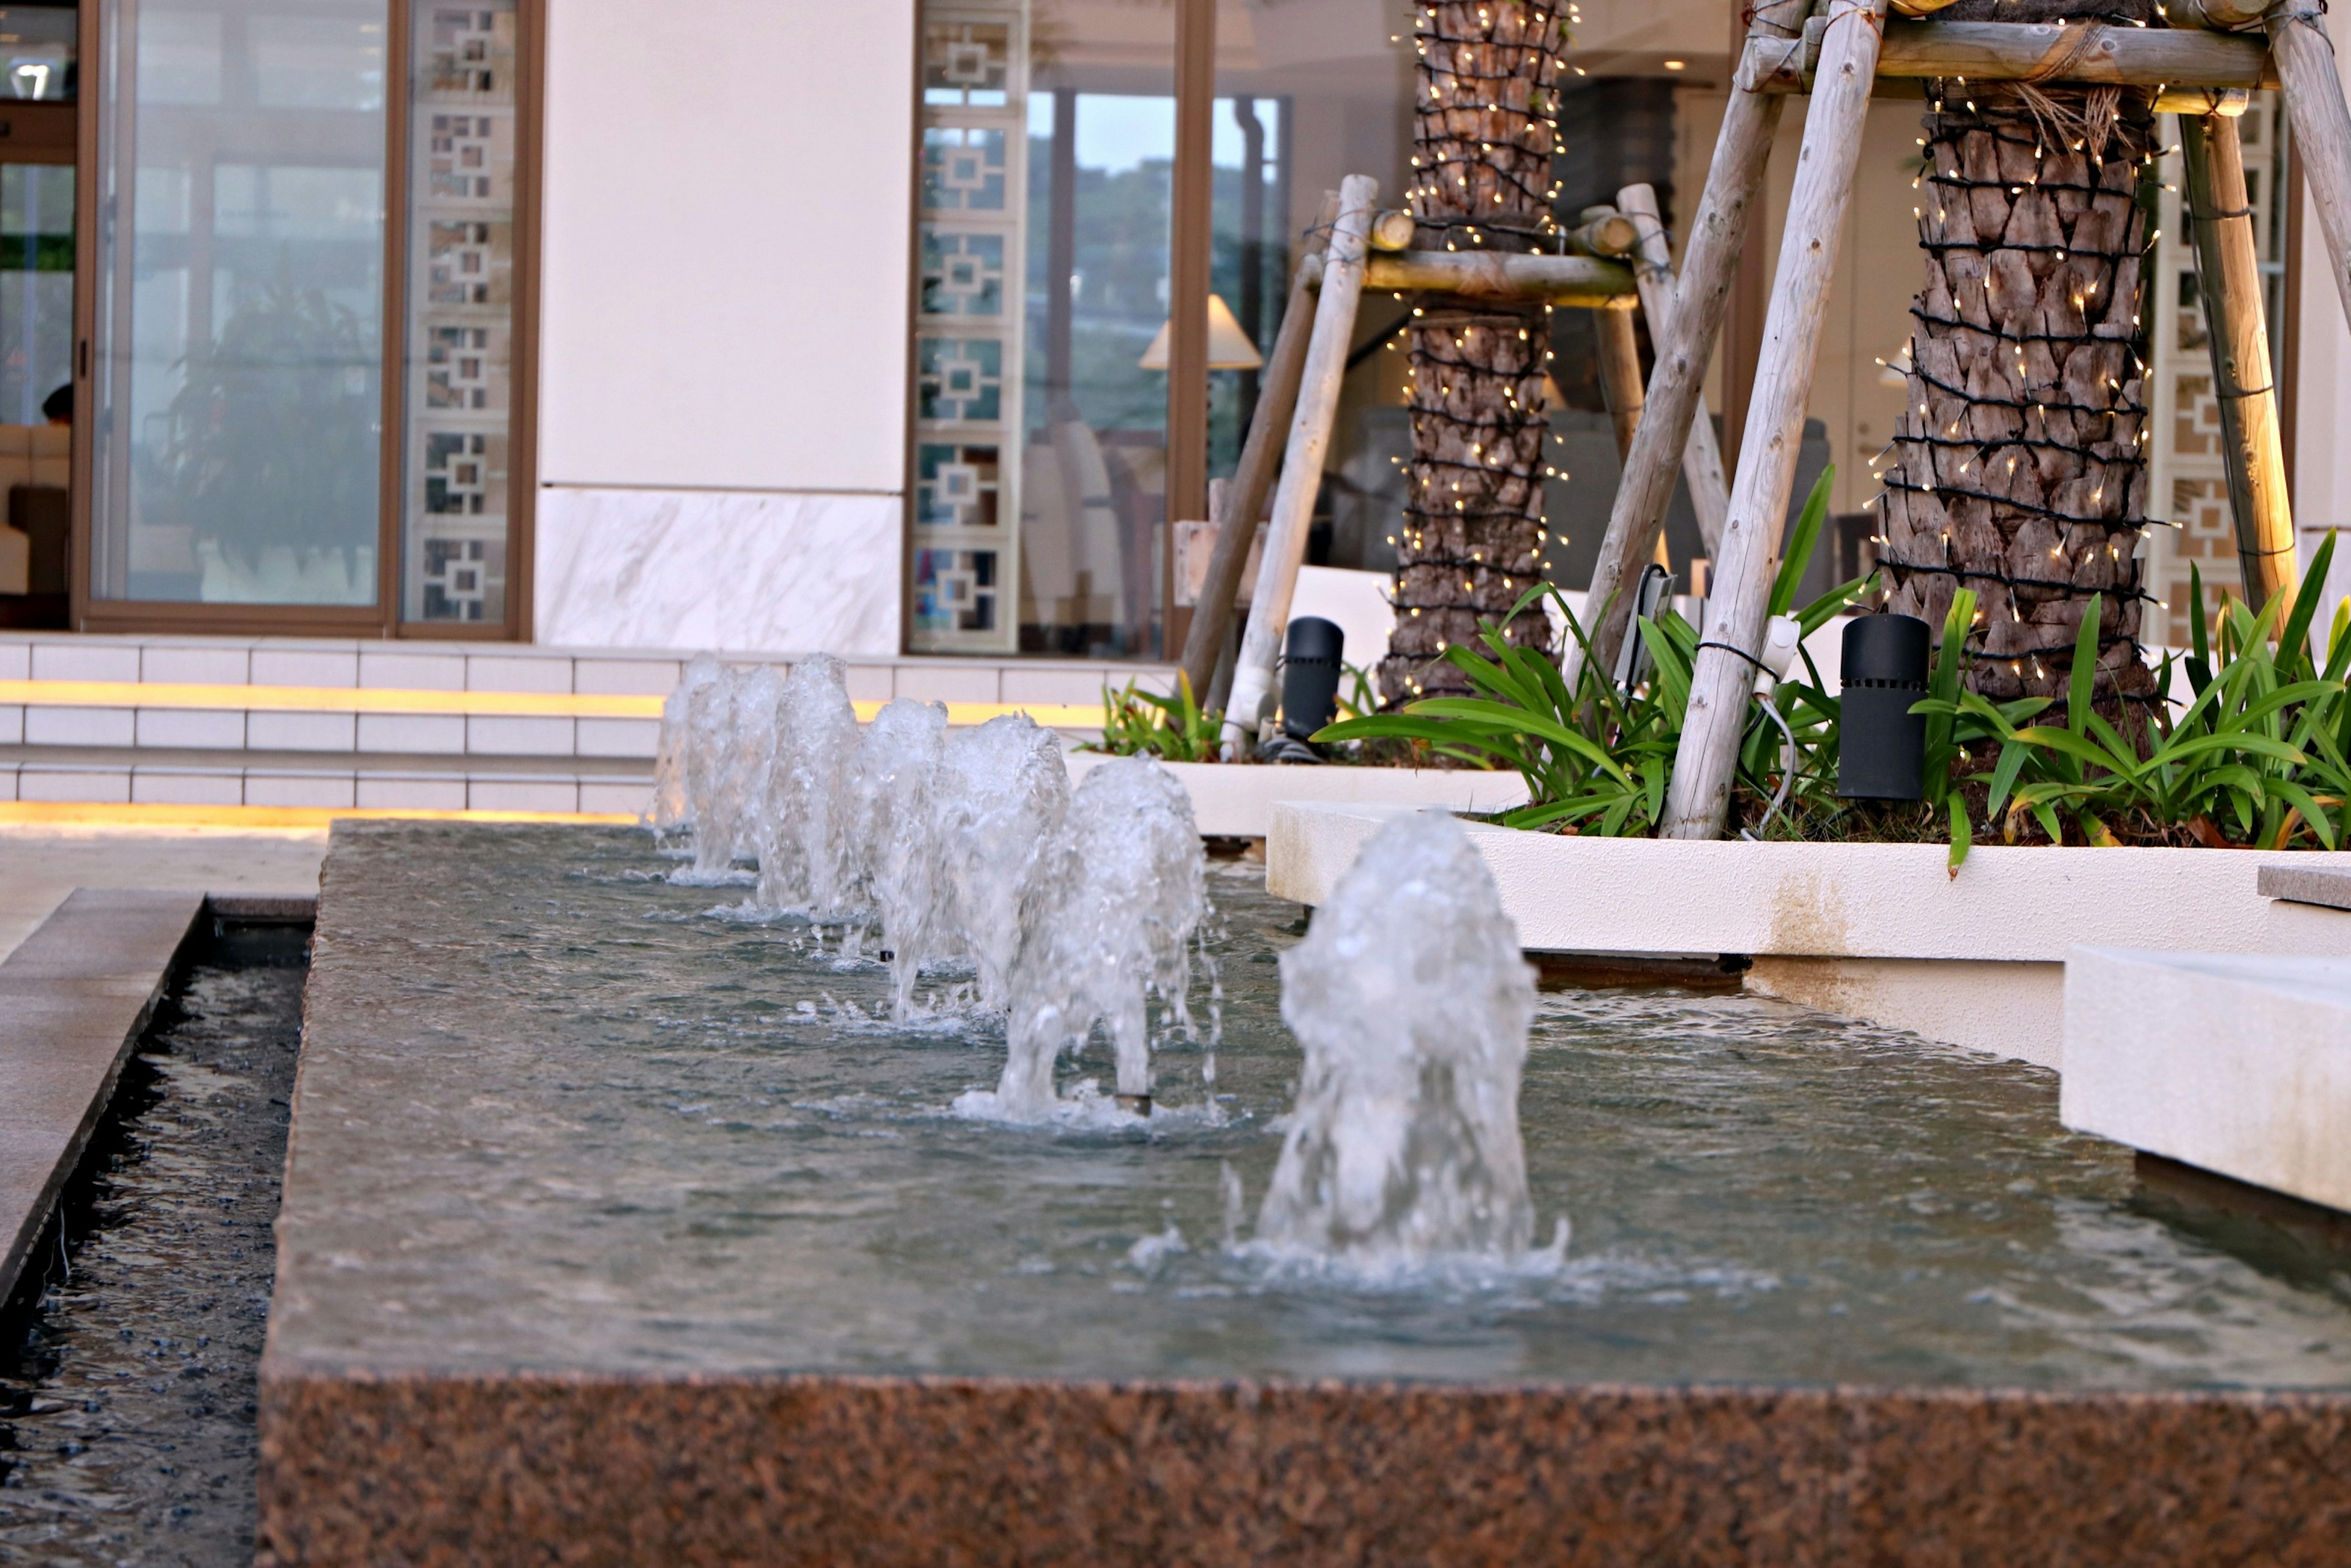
(1882, 744)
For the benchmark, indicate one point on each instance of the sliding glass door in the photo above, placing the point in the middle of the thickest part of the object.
(237, 398)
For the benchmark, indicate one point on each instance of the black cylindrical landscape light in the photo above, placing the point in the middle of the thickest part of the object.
(1882, 744)
(1310, 676)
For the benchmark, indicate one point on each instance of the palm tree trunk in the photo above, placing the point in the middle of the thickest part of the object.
(2018, 466)
(1472, 535)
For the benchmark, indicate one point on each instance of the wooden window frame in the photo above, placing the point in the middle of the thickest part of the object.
(383, 619)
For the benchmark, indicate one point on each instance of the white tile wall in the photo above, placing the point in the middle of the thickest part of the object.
(7, 783)
(636, 799)
(306, 667)
(868, 682)
(413, 671)
(942, 683)
(84, 662)
(619, 737)
(300, 731)
(12, 726)
(411, 794)
(78, 727)
(298, 790)
(428, 734)
(103, 785)
(16, 660)
(198, 728)
(178, 664)
(1056, 685)
(148, 788)
(521, 795)
(488, 735)
(626, 677)
(516, 673)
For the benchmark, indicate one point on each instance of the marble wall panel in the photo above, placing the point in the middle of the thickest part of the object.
(733, 571)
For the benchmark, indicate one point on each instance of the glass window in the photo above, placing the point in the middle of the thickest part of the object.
(459, 347)
(1039, 483)
(36, 262)
(237, 382)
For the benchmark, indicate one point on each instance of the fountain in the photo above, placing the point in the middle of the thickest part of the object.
(806, 848)
(1003, 792)
(1412, 1004)
(897, 781)
(1116, 901)
(683, 1208)
(672, 788)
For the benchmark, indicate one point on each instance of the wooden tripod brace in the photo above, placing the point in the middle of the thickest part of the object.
(1841, 52)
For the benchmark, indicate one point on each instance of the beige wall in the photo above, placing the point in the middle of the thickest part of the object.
(725, 319)
(729, 186)
(1879, 266)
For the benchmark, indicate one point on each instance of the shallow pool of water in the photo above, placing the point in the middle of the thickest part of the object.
(127, 1381)
(634, 1132)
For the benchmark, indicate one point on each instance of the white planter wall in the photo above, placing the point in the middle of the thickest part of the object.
(1873, 931)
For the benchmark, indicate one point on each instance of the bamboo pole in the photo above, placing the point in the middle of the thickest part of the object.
(1302, 464)
(2091, 53)
(1588, 281)
(2322, 124)
(1254, 475)
(2228, 279)
(1685, 342)
(1709, 487)
(1698, 800)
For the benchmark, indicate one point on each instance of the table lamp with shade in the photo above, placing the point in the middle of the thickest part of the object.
(1229, 348)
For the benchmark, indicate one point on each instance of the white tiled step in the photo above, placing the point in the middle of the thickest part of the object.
(114, 776)
(529, 668)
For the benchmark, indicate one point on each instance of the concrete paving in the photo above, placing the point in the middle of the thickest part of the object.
(40, 865)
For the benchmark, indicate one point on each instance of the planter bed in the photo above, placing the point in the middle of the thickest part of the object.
(1879, 932)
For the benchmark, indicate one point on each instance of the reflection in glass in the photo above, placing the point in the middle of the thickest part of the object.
(237, 377)
(38, 49)
(459, 383)
(36, 260)
(1040, 437)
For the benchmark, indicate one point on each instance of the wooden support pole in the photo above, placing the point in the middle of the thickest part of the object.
(1584, 280)
(1277, 397)
(2322, 124)
(1302, 464)
(1698, 799)
(1685, 342)
(1620, 375)
(2078, 53)
(1653, 268)
(2229, 278)
(1191, 220)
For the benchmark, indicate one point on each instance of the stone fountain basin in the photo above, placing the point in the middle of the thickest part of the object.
(551, 1289)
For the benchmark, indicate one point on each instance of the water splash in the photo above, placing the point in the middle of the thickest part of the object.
(896, 779)
(730, 727)
(1002, 793)
(807, 851)
(673, 793)
(968, 848)
(1112, 921)
(1412, 1002)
